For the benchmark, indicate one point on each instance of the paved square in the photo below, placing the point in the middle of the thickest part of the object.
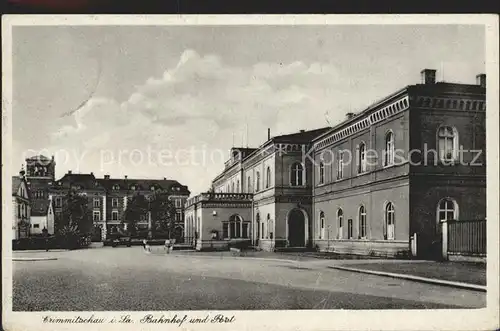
(117, 279)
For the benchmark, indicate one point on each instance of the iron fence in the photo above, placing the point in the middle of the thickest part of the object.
(467, 237)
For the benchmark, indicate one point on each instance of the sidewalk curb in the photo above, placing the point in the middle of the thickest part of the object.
(234, 257)
(40, 251)
(34, 258)
(435, 281)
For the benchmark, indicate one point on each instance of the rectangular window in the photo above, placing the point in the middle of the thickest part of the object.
(238, 229)
(96, 215)
(114, 202)
(178, 217)
(114, 215)
(225, 233)
(349, 229)
(178, 203)
(36, 226)
(232, 230)
(245, 230)
(58, 202)
(142, 218)
(97, 202)
(340, 166)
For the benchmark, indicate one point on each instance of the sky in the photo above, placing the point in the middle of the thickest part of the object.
(170, 101)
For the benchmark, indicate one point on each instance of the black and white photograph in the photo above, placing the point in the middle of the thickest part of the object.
(236, 172)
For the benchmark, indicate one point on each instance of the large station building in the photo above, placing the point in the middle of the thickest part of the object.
(376, 184)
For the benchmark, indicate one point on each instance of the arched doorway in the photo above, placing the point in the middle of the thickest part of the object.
(96, 235)
(179, 234)
(296, 225)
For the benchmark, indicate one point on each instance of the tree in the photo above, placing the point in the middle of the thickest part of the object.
(137, 206)
(75, 213)
(163, 212)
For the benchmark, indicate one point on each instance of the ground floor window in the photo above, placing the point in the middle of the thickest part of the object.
(362, 222)
(96, 215)
(235, 227)
(447, 211)
(389, 221)
(114, 215)
(321, 225)
(349, 229)
(340, 221)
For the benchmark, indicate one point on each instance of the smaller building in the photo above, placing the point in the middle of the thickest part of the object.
(40, 176)
(21, 204)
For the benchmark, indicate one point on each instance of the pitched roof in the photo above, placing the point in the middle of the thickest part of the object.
(142, 184)
(302, 136)
(16, 183)
(85, 181)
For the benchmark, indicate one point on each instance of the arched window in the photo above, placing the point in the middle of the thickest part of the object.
(340, 223)
(361, 158)
(362, 222)
(268, 177)
(321, 173)
(321, 225)
(350, 230)
(257, 181)
(228, 188)
(447, 143)
(340, 165)
(235, 227)
(296, 175)
(389, 221)
(232, 188)
(238, 186)
(447, 211)
(389, 149)
(249, 181)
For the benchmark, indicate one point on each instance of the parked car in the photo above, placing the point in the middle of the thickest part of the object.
(122, 240)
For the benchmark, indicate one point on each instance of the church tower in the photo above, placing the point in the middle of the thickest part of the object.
(41, 167)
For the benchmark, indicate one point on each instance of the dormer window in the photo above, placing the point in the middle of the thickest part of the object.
(116, 187)
(132, 187)
(152, 188)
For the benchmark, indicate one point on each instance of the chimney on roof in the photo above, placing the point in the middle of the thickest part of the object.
(349, 115)
(428, 76)
(52, 157)
(302, 131)
(164, 178)
(69, 172)
(92, 174)
(268, 133)
(22, 172)
(126, 176)
(106, 176)
(481, 80)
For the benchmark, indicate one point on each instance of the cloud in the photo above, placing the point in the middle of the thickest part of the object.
(201, 102)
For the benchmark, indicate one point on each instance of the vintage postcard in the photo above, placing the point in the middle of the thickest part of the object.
(317, 172)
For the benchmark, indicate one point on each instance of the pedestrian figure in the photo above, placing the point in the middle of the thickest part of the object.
(168, 246)
(45, 234)
(145, 245)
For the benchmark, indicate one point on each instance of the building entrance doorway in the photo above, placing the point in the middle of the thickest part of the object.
(296, 228)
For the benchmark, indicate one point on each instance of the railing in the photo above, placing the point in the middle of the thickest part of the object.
(219, 197)
(467, 237)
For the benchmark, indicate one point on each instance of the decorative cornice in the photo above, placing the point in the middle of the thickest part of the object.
(449, 103)
(365, 122)
(226, 205)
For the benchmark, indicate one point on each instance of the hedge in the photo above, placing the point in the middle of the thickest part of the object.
(52, 242)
